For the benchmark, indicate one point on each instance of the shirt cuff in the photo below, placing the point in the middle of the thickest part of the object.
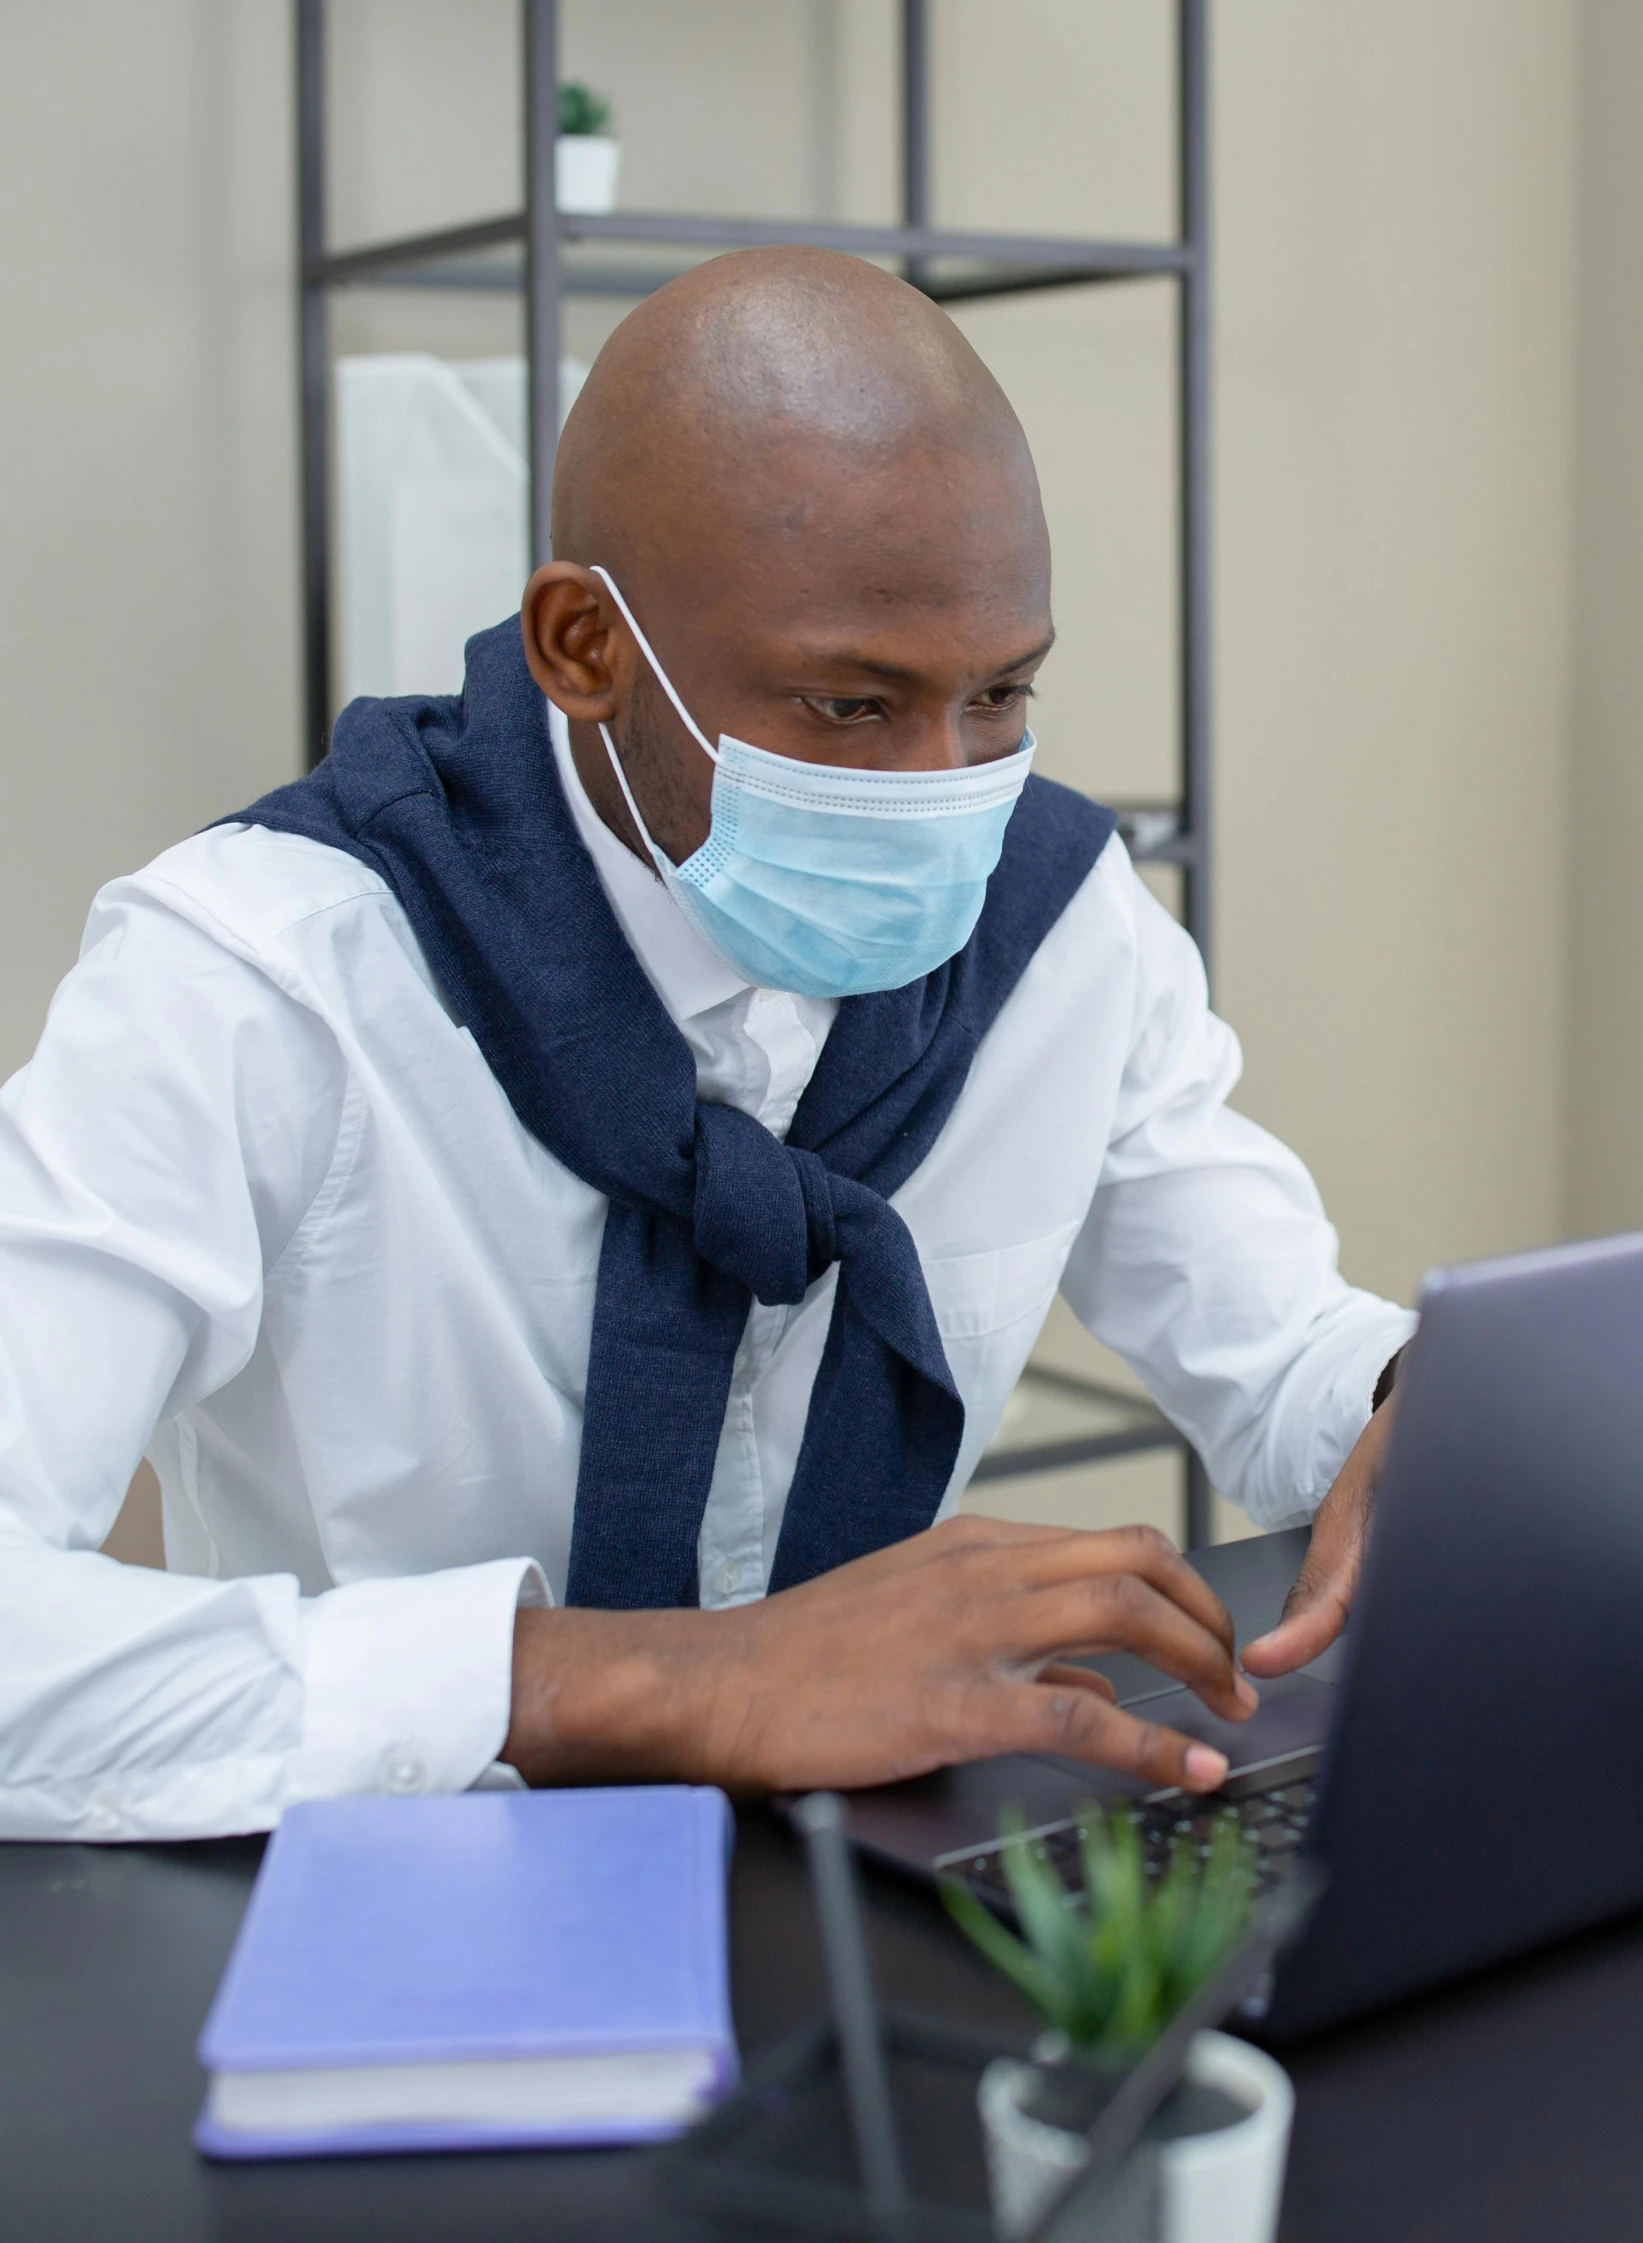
(408, 1683)
(1321, 1408)
(1388, 1379)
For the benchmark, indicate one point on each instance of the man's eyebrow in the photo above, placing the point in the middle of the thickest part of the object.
(847, 658)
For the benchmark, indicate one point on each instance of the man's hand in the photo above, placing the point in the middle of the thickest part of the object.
(1316, 1608)
(947, 1647)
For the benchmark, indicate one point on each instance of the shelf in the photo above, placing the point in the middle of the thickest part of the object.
(1156, 833)
(1055, 1420)
(953, 267)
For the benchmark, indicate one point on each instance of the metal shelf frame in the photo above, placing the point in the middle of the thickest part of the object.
(524, 250)
(1148, 1428)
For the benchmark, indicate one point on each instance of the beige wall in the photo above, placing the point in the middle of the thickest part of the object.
(1395, 365)
(1606, 797)
(1397, 545)
(147, 569)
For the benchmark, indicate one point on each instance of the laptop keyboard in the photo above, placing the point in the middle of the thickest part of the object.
(1273, 1824)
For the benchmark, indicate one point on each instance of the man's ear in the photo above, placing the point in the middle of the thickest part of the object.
(574, 645)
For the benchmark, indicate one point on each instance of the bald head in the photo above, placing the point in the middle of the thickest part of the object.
(759, 376)
(823, 512)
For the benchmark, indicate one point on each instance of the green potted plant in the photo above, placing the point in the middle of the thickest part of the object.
(586, 159)
(1107, 1969)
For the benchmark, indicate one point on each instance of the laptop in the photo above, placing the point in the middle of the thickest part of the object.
(1466, 1767)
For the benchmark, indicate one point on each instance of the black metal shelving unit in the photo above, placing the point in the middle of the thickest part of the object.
(550, 254)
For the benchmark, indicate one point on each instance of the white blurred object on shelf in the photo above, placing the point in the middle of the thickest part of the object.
(432, 489)
(586, 167)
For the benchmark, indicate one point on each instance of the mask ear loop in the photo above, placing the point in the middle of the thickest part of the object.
(664, 864)
(662, 678)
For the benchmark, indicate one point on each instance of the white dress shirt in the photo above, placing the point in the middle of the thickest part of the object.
(266, 1214)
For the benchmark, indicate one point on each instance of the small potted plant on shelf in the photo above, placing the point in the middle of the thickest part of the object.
(1107, 1970)
(586, 159)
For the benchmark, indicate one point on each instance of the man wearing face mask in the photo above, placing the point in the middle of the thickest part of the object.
(564, 1194)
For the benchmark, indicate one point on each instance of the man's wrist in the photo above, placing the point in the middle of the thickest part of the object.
(602, 1697)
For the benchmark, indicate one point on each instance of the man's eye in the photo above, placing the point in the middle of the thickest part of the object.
(1005, 696)
(840, 710)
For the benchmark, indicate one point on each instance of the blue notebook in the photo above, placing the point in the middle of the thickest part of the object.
(494, 1970)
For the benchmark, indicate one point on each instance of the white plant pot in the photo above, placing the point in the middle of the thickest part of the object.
(1209, 2188)
(585, 170)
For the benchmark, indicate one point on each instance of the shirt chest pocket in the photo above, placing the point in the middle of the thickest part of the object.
(977, 1295)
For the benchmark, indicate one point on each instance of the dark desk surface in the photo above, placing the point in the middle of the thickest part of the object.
(1505, 2109)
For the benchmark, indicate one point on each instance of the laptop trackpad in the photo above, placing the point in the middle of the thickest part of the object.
(1293, 1716)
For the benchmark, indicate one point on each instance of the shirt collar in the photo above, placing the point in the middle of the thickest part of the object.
(685, 970)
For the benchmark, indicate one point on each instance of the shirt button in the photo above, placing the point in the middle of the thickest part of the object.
(404, 1771)
(728, 1579)
(102, 1818)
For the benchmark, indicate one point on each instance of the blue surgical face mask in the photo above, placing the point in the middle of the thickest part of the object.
(833, 882)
